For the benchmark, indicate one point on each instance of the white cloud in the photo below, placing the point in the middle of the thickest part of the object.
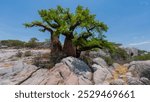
(139, 43)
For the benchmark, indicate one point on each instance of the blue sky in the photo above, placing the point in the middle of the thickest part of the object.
(128, 20)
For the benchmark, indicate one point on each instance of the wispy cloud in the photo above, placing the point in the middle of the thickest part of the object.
(140, 43)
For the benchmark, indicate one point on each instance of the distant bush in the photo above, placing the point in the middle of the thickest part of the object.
(28, 53)
(32, 43)
(142, 57)
(19, 54)
(13, 43)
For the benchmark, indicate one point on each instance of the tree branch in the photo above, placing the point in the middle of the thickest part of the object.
(74, 26)
(38, 24)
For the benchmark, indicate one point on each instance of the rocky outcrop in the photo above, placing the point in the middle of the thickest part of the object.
(99, 61)
(71, 71)
(16, 77)
(139, 73)
(131, 51)
(95, 54)
(140, 69)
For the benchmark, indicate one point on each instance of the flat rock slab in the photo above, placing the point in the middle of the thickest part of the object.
(67, 73)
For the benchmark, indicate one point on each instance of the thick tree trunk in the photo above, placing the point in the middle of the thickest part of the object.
(68, 48)
(56, 50)
(55, 44)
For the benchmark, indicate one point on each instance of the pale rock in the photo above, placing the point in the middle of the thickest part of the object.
(100, 61)
(144, 80)
(140, 68)
(101, 74)
(117, 82)
(134, 81)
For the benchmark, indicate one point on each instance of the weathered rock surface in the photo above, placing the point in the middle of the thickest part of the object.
(140, 68)
(134, 81)
(101, 74)
(98, 53)
(132, 51)
(100, 61)
(145, 81)
(117, 82)
(17, 77)
(71, 71)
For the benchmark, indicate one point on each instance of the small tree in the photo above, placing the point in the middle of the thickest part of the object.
(32, 43)
(81, 30)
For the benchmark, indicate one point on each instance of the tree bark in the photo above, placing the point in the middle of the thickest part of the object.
(68, 48)
(56, 50)
(55, 44)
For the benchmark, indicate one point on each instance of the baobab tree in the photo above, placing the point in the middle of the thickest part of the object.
(81, 30)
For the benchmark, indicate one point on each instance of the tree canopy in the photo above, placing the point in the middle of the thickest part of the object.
(81, 29)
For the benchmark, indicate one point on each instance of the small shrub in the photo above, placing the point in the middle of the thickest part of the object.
(28, 53)
(120, 56)
(42, 61)
(108, 60)
(45, 55)
(19, 54)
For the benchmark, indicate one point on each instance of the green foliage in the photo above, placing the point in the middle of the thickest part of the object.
(80, 27)
(120, 56)
(32, 43)
(142, 57)
(12, 43)
(108, 60)
(28, 53)
(141, 52)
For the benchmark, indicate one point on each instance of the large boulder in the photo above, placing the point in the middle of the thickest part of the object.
(140, 69)
(134, 81)
(98, 53)
(78, 67)
(59, 75)
(145, 81)
(71, 71)
(132, 51)
(101, 75)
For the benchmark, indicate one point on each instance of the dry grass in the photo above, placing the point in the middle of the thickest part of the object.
(119, 73)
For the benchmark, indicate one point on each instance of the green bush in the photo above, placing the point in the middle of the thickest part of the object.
(13, 43)
(142, 57)
(28, 53)
(108, 60)
(120, 56)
